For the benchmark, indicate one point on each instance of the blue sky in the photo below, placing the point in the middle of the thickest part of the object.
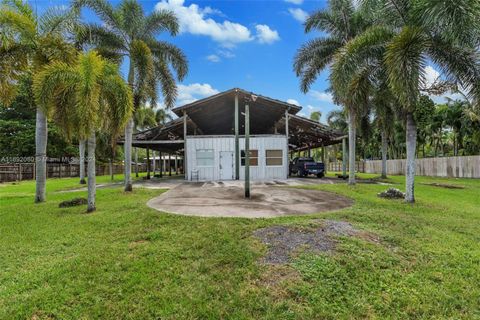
(246, 44)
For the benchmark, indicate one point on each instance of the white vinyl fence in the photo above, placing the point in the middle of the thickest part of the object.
(457, 167)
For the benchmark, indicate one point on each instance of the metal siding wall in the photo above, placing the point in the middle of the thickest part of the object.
(217, 144)
(261, 172)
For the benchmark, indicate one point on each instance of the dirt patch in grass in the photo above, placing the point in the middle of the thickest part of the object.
(277, 279)
(285, 241)
(444, 185)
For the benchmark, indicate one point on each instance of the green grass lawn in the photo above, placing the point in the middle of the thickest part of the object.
(127, 261)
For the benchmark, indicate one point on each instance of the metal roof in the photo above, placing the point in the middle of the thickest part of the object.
(215, 115)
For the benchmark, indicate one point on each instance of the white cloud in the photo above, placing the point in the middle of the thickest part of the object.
(213, 58)
(310, 107)
(192, 92)
(266, 35)
(322, 96)
(226, 54)
(193, 19)
(298, 14)
(297, 2)
(293, 101)
(431, 75)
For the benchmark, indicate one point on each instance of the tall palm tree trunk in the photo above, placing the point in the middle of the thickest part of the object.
(411, 146)
(384, 153)
(351, 145)
(128, 138)
(41, 134)
(91, 173)
(136, 161)
(81, 149)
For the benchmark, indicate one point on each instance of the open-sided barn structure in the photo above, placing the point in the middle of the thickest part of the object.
(210, 136)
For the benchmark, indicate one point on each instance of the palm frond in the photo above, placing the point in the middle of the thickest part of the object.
(455, 20)
(321, 20)
(143, 62)
(103, 9)
(132, 17)
(53, 81)
(21, 7)
(365, 49)
(117, 106)
(167, 84)
(159, 21)
(94, 34)
(312, 58)
(59, 21)
(13, 23)
(405, 62)
(13, 63)
(460, 64)
(170, 54)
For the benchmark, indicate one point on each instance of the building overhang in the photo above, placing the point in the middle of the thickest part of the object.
(215, 116)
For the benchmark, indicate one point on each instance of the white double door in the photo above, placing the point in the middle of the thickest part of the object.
(226, 165)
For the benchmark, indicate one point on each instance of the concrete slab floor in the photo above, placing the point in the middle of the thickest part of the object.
(226, 199)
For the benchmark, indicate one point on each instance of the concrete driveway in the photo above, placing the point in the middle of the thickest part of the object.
(226, 199)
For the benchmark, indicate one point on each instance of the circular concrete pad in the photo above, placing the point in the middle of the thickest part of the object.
(218, 200)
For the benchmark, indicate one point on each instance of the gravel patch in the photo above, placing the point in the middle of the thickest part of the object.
(285, 241)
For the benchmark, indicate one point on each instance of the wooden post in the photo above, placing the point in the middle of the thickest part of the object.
(344, 158)
(20, 172)
(169, 164)
(287, 164)
(148, 163)
(160, 164)
(247, 152)
(327, 160)
(164, 164)
(176, 164)
(237, 143)
(323, 154)
(184, 145)
(60, 170)
(154, 163)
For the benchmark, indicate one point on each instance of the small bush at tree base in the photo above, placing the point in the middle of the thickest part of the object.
(392, 193)
(72, 203)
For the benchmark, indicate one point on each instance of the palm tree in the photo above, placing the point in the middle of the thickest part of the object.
(29, 43)
(384, 117)
(162, 116)
(88, 95)
(341, 21)
(143, 119)
(315, 116)
(410, 33)
(128, 32)
(81, 152)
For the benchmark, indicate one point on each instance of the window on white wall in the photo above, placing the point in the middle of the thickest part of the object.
(274, 157)
(253, 157)
(205, 158)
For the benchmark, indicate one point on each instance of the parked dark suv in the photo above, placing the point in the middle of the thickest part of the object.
(305, 166)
